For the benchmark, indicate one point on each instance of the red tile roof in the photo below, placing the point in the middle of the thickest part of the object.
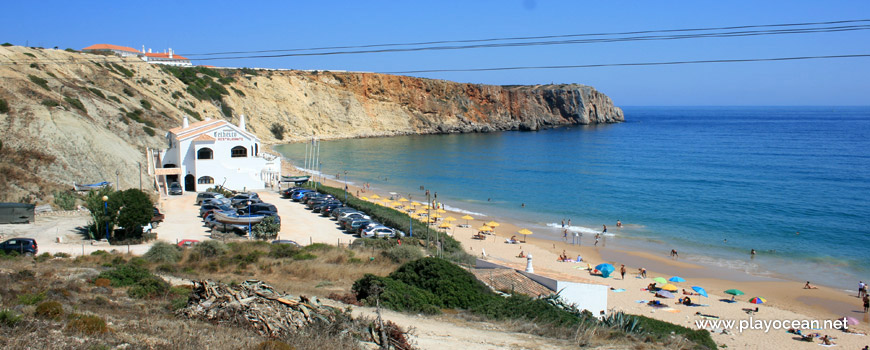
(510, 281)
(110, 47)
(166, 55)
(204, 137)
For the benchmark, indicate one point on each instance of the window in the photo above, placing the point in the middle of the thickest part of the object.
(204, 153)
(205, 180)
(238, 152)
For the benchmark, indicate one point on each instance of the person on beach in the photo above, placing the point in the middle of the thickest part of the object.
(862, 289)
(618, 223)
(674, 253)
(752, 253)
(565, 235)
(866, 302)
(642, 272)
(605, 229)
(524, 205)
(569, 222)
(622, 271)
(522, 255)
(597, 236)
(577, 237)
(563, 223)
(809, 286)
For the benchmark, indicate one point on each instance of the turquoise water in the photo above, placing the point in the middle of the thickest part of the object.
(688, 178)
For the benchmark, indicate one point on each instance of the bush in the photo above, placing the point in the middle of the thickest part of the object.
(266, 229)
(454, 287)
(128, 92)
(31, 298)
(42, 257)
(61, 255)
(49, 309)
(149, 287)
(661, 330)
(9, 318)
(123, 70)
(50, 103)
(6, 44)
(277, 131)
(87, 324)
(226, 110)
(145, 104)
(125, 275)
(75, 103)
(134, 209)
(403, 253)
(39, 81)
(115, 98)
(149, 131)
(162, 252)
(394, 295)
(4, 106)
(28, 54)
(97, 92)
(65, 200)
(210, 248)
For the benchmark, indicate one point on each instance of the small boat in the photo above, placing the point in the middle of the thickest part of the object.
(228, 217)
(96, 186)
(295, 179)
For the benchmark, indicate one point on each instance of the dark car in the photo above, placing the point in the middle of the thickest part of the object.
(338, 212)
(354, 225)
(257, 207)
(326, 210)
(347, 218)
(243, 198)
(289, 192)
(157, 217)
(318, 201)
(202, 196)
(242, 229)
(175, 189)
(309, 195)
(24, 246)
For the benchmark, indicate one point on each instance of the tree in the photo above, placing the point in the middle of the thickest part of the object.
(266, 229)
(94, 203)
(134, 209)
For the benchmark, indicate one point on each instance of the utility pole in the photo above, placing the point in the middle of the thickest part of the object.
(140, 176)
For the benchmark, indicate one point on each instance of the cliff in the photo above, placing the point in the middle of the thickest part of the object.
(68, 116)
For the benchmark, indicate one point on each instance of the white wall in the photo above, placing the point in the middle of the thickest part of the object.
(592, 297)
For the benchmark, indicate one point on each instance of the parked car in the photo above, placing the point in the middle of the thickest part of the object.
(382, 232)
(217, 201)
(363, 228)
(255, 207)
(209, 220)
(211, 207)
(338, 212)
(202, 196)
(186, 243)
(355, 225)
(23, 246)
(318, 201)
(288, 192)
(296, 196)
(326, 210)
(240, 228)
(157, 217)
(347, 218)
(309, 195)
(243, 199)
(286, 241)
(175, 189)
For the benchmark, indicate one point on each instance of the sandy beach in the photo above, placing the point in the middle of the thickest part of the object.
(786, 300)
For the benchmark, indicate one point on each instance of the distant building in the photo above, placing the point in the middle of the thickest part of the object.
(215, 152)
(122, 51)
(167, 58)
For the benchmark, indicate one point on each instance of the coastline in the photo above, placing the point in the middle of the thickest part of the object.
(784, 295)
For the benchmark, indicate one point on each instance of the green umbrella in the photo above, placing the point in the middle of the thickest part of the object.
(734, 292)
(660, 280)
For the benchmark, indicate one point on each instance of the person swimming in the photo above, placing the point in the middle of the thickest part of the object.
(809, 286)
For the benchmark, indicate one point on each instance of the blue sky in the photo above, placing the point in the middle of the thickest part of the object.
(214, 26)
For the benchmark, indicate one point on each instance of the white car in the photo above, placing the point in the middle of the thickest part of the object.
(381, 232)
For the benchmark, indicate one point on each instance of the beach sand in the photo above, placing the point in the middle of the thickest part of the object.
(786, 299)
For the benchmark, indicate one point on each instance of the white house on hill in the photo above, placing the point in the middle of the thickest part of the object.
(215, 152)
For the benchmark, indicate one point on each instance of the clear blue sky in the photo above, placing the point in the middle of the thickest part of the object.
(213, 26)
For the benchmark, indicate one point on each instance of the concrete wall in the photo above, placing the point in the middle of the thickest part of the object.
(592, 297)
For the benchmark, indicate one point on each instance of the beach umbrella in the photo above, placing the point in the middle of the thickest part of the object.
(450, 219)
(700, 290)
(364, 198)
(492, 224)
(664, 294)
(416, 204)
(444, 225)
(525, 232)
(758, 300)
(606, 269)
(374, 196)
(660, 280)
(441, 211)
(403, 199)
(734, 292)
(485, 228)
(436, 215)
(669, 287)
(467, 217)
(676, 279)
(850, 320)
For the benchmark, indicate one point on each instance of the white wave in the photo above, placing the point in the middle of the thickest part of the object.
(581, 229)
(463, 211)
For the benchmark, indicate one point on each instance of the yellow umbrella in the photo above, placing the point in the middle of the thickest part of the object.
(436, 215)
(442, 211)
(669, 287)
(492, 224)
(444, 225)
(485, 228)
(524, 232)
(467, 217)
(364, 198)
(374, 196)
(416, 204)
(403, 199)
(450, 219)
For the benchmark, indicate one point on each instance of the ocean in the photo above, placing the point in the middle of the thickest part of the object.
(712, 182)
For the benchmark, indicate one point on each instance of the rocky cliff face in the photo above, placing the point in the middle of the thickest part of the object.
(88, 118)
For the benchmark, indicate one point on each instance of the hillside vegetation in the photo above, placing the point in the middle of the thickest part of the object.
(68, 116)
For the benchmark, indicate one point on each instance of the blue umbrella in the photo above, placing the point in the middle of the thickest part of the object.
(700, 291)
(606, 269)
(677, 279)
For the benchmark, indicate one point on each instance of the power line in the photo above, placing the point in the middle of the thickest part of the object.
(560, 42)
(631, 64)
(532, 37)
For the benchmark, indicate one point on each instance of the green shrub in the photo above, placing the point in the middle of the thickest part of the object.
(50, 103)
(145, 104)
(6, 44)
(70, 50)
(49, 309)
(61, 255)
(99, 253)
(661, 330)
(125, 275)
(75, 103)
(266, 229)
(191, 113)
(29, 54)
(455, 287)
(403, 253)
(39, 81)
(149, 131)
(87, 324)
(149, 287)
(31, 298)
(34, 65)
(211, 248)
(163, 252)
(238, 92)
(226, 110)
(51, 74)
(277, 131)
(115, 98)
(394, 295)
(177, 94)
(123, 70)
(273, 345)
(9, 318)
(65, 200)
(42, 257)
(97, 92)
(128, 92)
(4, 106)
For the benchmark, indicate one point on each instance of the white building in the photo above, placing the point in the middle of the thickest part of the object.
(215, 152)
(168, 58)
(122, 51)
